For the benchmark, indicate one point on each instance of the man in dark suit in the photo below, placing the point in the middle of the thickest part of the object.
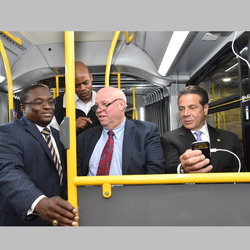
(84, 100)
(136, 145)
(32, 190)
(193, 108)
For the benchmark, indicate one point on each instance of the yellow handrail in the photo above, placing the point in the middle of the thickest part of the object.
(9, 79)
(128, 38)
(118, 79)
(162, 179)
(134, 115)
(107, 181)
(110, 55)
(70, 112)
(15, 39)
(57, 85)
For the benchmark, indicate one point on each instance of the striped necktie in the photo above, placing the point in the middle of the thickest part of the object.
(46, 132)
(198, 135)
(106, 156)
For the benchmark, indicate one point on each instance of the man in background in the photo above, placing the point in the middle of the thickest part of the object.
(84, 100)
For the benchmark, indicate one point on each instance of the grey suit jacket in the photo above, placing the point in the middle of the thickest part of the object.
(142, 151)
(176, 142)
(27, 171)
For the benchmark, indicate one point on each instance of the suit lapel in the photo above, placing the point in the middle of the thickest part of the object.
(186, 136)
(128, 142)
(31, 128)
(94, 136)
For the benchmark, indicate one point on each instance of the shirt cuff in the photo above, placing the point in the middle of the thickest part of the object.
(33, 205)
(180, 169)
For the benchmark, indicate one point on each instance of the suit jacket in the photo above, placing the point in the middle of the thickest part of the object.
(60, 113)
(142, 151)
(176, 142)
(27, 171)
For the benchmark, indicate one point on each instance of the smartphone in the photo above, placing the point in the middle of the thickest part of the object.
(204, 146)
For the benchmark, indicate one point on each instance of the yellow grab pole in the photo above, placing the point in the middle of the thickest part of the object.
(57, 86)
(110, 55)
(118, 80)
(128, 38)
(70, 112)
(134, 115)
(15, 39)
(162, 179)
(9, 79)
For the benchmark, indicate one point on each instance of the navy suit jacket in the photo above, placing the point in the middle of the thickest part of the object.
(176, 142)
(27, 171)
(142, 151)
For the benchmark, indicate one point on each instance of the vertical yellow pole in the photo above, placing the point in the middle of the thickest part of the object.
(57, 86)
(110, 55)
(70, 112)
(134, 115)
(9, 79)
(118, 80)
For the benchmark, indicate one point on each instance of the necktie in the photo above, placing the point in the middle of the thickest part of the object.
(106, 156)
(46, 132)
(198, 134)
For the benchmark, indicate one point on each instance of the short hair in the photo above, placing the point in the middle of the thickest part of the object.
(26, 90)
(44, 82)
(193, 89)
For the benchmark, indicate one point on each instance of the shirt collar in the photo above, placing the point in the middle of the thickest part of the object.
(77, 99)
(118, 132)
(40, 128)
(204, 129)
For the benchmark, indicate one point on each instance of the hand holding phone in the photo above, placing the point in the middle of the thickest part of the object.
(204, 146)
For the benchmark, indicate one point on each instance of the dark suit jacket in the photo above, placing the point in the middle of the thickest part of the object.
(142, 151)
(27, 171)
(176, 142)
(60, 113)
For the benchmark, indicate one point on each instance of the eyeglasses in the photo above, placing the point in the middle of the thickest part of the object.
(104, 106)
(40, 103)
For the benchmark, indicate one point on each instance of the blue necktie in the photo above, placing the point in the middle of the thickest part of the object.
(198, 134)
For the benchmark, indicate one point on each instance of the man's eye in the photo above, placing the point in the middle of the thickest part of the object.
(38, 102)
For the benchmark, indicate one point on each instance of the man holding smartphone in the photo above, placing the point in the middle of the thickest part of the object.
(180, 158)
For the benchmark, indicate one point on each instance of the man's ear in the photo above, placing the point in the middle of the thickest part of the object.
(91, 77)
(206, 109)
(22, 107)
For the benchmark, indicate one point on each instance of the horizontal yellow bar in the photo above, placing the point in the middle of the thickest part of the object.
(162, 179)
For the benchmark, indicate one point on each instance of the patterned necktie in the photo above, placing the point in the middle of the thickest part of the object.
(46, 132)
(198, 134)
(106, 156)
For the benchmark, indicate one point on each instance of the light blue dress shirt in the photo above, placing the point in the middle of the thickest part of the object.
(116, 162)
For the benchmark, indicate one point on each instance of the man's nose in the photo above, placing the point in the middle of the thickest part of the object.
(82, 86)
(186, 112)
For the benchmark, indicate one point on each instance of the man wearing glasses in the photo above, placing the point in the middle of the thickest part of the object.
(119, 146)
(84, 100)
(33, 166)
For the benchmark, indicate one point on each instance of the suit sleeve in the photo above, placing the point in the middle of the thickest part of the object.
(15, 184)
(171, 154)
(237, 150)
(154, 154)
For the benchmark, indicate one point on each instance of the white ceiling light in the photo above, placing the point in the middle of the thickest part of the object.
(226, 79)
(173, 48)
(2, 78)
